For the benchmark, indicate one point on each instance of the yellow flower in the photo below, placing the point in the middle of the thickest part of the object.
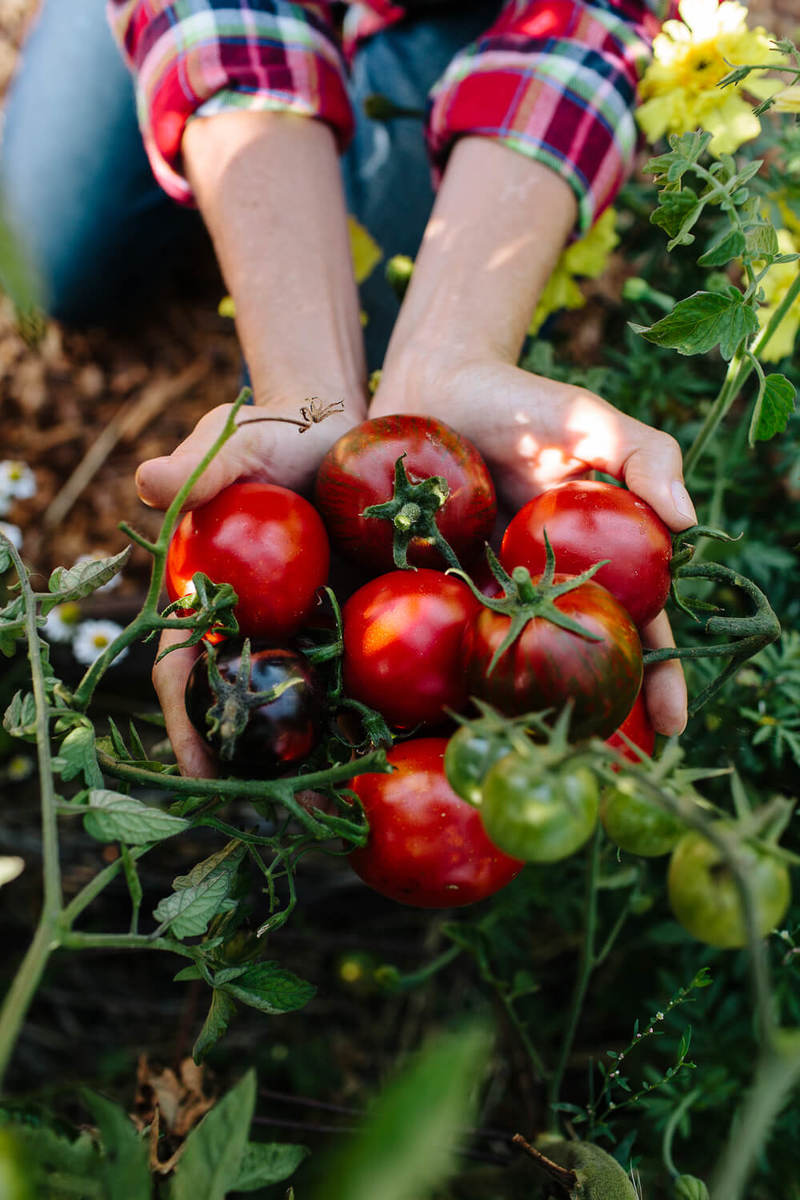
(679, 90)
(586, 257)
(788, 99)
(775, 284)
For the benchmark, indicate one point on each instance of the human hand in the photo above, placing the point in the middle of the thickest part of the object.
(260, 449)
(534, 433)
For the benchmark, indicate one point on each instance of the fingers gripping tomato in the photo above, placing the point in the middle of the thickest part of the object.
(267, 542)
(587, 522)
(359, 471)
(402, 645)
(426, 846)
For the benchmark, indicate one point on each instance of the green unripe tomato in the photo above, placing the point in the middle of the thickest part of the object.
(636, 823)
(544, 815)
(704, 896)
(470, 753)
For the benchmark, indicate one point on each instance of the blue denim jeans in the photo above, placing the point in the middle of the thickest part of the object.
(78, 188)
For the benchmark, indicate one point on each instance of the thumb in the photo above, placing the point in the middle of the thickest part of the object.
(158, 480)
(654, 471)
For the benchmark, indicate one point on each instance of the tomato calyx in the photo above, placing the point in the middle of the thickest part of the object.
(524, 599)
(412, 511)
(227, 718)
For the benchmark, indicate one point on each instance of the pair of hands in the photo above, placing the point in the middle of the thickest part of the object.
(533, 433)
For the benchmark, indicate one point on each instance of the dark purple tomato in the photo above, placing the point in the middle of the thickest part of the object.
(262, 725)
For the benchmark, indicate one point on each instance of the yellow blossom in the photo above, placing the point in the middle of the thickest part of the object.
(788, 99)
(585, 257)
(775, 285)
(679, 91)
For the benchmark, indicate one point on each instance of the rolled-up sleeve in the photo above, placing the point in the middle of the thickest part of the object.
(199, 57)
(555, 80)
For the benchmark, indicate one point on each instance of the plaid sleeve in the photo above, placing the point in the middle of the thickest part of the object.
(556, 81)
(200, 57)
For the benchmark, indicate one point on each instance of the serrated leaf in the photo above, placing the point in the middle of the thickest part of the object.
(11, 632)
(220, 1013)
(125, 1168)
(188, 911)
(114, 817)
(406, 1148)
(702, 321)
(73, 583)
(774, 405)
(673, 209)
(225, 860)
(271, 989)
(762, 241)
(188, 973)
(213, 1151)
(20, 716)
(49, 1154)
(264, 1163)
(723, 249)
(77, 755)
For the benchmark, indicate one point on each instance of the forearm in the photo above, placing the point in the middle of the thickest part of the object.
(497, 228)
(269, 189)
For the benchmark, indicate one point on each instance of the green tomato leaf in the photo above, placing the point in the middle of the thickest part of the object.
(20, 716)
(674, 207)
(219, 1017)
(125, 1163)
(114, 817)
(730, 244)
(76, 756)
(775, 403)
(264, 1163)
(762, 242)
(188, 911)
(73, 583)
(224, 862)
(213, 1151)
(270, 988)
(702, 321)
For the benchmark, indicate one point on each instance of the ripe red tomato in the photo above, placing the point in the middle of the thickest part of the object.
(358, 471)
(587, 522)
(547, 665)
(638, 728)
(427, 847)
(267, 542)
(402, 645)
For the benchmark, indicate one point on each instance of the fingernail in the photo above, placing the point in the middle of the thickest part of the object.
(683, 501)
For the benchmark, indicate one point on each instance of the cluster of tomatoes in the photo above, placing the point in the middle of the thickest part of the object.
(461, 812)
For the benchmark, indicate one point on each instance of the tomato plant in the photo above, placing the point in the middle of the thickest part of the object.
(260, 709)
(538, 813)
(402, 645)
(359, 472)
(704, 896)
(267, 542)
(426, 846)
(599, 669)
(638, 729)
(587, 522)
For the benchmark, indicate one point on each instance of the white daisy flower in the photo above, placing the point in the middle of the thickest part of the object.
(62, 622)
(93, 637)
(13, 533)
(17, 480)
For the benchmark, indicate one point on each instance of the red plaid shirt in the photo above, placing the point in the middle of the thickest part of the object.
(553, 79)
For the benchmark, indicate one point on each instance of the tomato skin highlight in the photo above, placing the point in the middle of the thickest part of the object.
(267, 542)
(547, 666)
(426, 847)
(358, 471)
(704, 897)
(587, 522)
(402, 636)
